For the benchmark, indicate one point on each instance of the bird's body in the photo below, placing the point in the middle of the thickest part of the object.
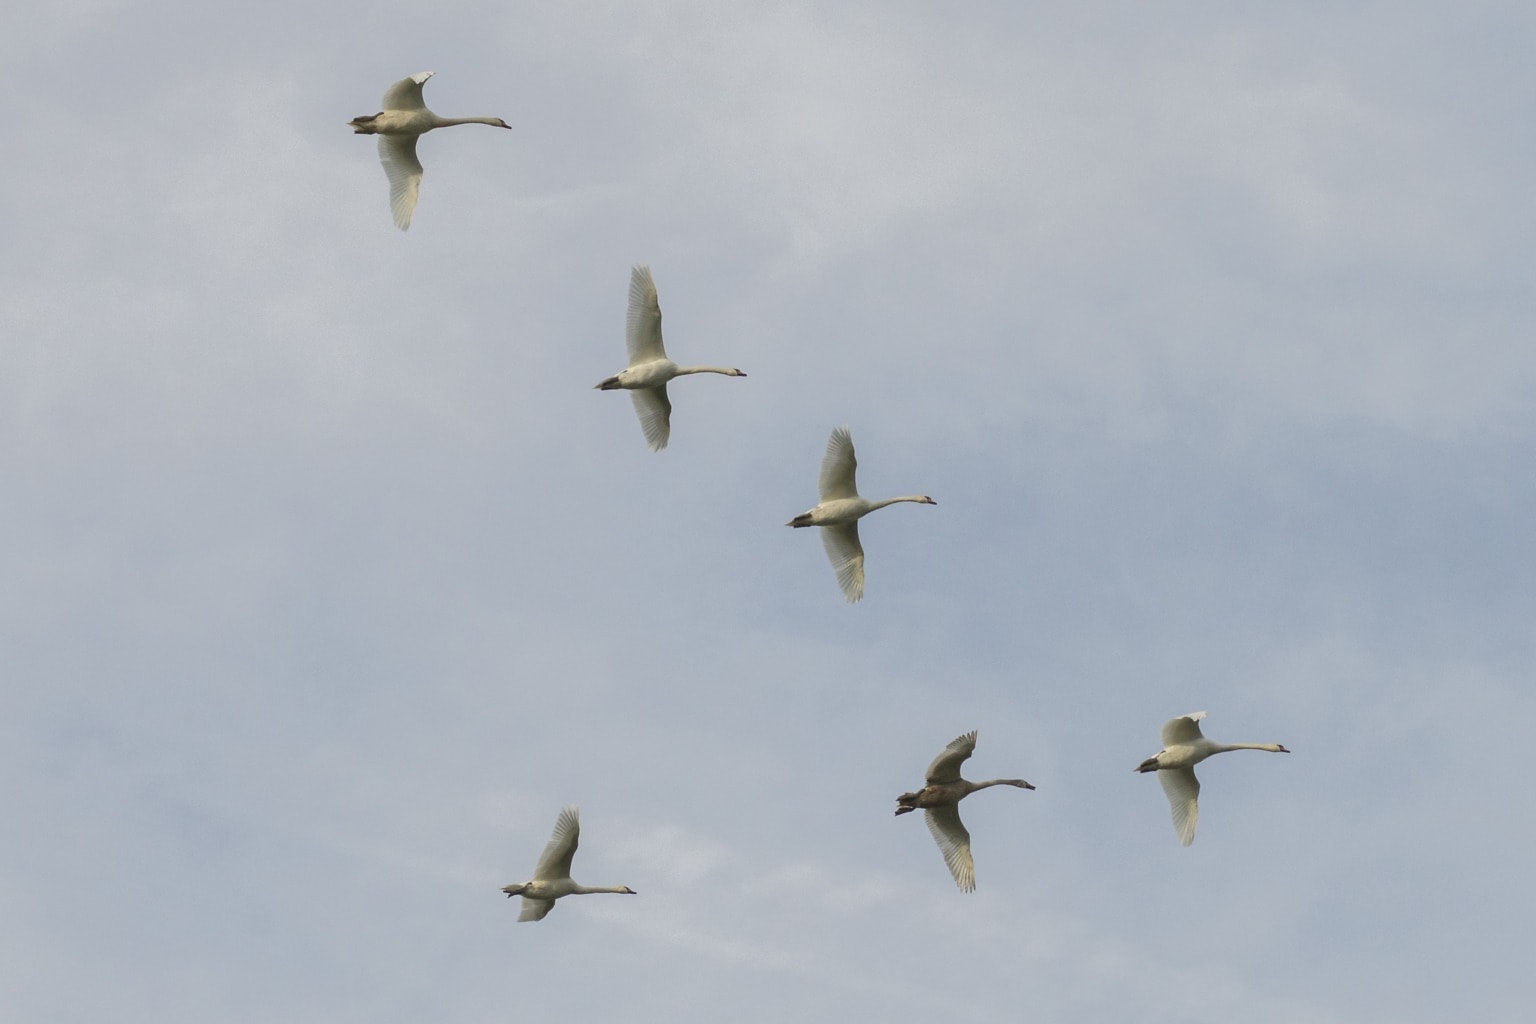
(404, 119)
(1184, 746)
(552, 876)
(649, 369)
(939, 798)
(839, 511)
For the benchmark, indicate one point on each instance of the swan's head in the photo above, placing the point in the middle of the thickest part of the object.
(925, 500)
(626, 890)
(736, 373)
(1280, 749)
(514, 890)
(499, 123)
(1149, 765)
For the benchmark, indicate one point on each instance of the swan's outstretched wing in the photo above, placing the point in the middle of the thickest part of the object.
(954, 843)
(837, 467)
(534, 910)
(847, 557)
(406, 93)
(555, 861)
(642, 327)
(1183, 791)
(655, 411)
(398, 155)
(1184, 729)
(946, 767)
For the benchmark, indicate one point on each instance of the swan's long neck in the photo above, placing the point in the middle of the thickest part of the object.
(921, 499)
(1003, 782)
(729, 371)
(585, 890)
(447, 122)
(1273, 748)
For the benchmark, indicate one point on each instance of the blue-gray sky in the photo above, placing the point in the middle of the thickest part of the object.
(329, 579)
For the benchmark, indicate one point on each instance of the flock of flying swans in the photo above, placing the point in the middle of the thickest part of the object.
(404, 119)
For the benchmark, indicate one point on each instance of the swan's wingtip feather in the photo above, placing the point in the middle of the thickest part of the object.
(420, 77)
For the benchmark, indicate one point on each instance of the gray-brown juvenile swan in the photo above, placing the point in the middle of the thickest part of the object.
(1184, 747)
(404, 119)
(839, 511)
(552, 876)
(649, 368)
(940, 800)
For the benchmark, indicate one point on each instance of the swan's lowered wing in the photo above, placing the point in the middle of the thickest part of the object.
(847, 557)
(398, 155)
(655, 411)
(535, 910)
(1183, 791)
(954, 843)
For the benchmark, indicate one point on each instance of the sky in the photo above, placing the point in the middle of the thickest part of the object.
(329, 579)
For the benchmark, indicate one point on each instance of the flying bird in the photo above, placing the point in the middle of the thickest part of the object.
(940, 799)
(1184, 747)
(552, 876)
(404, 119)
(839, 511)
(649, 369)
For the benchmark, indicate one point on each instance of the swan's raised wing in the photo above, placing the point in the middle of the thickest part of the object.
(1183, 791)
(837, 467)
(642, 327)
(535, 910)
(555, 861)
(847, 557)
(655, 411)
(406, 93)
(946, 767)
(1184, 729)
(398, 155)
(954, 843)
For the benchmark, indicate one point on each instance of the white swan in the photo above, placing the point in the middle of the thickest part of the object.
(552, 877)
(404, 119)
(649, 368)
(939, 800)
(1184, 747)
(840, 510)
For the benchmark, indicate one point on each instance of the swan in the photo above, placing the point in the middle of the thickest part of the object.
(940, 799)
(840, 510)
(1184, 747)
(649, 368)
(404, 119)
(552, 876)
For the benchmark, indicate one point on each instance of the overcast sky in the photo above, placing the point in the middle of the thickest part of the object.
(329, 580)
